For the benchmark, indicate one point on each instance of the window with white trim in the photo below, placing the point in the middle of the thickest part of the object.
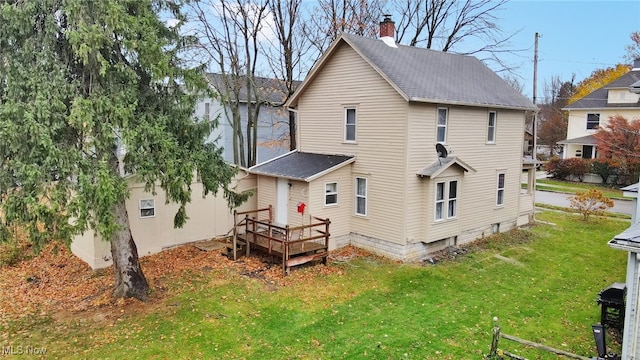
(331, 193)
(361, 196)
(147, 208)
(500, 190)
(350, 124)
(446, 205)
(441, 130)
(593, 121)
(491, 128)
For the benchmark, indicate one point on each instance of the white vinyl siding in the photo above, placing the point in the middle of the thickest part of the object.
(491, 128)
(361, 196)
(441, 129)
(349, 124)
(500, 189)
(446, 200)
(593, 121)
(147, 208)
(331, 193)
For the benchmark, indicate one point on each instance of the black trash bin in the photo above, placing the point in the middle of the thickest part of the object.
(612, 301)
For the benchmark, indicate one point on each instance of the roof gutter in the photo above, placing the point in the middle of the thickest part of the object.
(462, 103)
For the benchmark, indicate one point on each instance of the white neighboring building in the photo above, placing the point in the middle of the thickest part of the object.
(595, 109)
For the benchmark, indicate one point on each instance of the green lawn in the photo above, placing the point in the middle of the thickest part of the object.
(574, 187)
(541, 284)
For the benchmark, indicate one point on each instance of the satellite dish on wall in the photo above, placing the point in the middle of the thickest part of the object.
(441, 150)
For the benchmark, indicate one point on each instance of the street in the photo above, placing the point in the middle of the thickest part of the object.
(562, 199)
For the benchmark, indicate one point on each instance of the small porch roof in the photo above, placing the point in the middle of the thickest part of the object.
(443, 164)
(302, 166)
(583, 140)
(628, 240)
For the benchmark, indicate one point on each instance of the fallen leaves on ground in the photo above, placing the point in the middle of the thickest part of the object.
(57, 282)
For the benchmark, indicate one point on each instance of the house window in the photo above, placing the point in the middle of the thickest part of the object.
(593, 121)
(446, 200)
(491, 128)
(350, 124)
(361, 196)
(441, 134)
(206, 110)
(500, 190)
(331, 193)
(147, 208)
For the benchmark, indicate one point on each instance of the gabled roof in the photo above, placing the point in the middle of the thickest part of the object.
(598, 98)
(424, 75)
(583, 140)
(301, 165)
(273, 91)
(443, 164)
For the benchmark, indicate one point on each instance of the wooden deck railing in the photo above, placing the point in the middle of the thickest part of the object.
(295, 245)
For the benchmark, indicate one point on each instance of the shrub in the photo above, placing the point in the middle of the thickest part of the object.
(590, 203)
(557, 168)
(561, 169)
(577, 167)
(605, 168)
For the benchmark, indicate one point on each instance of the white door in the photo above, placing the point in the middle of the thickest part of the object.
(282, 201)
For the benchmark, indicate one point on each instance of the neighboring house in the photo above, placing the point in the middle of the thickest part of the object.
(370, 114)
(273, 118)
(595, 109)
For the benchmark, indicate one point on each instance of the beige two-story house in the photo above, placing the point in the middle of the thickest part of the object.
(370, 115)
(594, 110)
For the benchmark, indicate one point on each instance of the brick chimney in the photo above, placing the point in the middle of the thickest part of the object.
(387, 27)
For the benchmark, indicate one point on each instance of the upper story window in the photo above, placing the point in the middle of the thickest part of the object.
(491, 128)
(331, 193)
(500, 190)
(207, 116)
(350, 124)
(593, 121)
(441, 132)
(361, 196)
(446, 200)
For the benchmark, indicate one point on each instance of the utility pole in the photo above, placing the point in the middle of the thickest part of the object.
(534, 151)
(535, 98)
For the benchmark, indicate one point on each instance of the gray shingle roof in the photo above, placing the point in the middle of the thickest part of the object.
(301, 165)
(271, 90)
(598, 98)
(438, 77)
(583, 140)
(441, 165)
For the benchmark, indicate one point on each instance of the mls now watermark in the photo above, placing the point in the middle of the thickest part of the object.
(23, 350)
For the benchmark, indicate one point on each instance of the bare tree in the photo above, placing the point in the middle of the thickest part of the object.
(286, 57)
(229, 32)
(329, 18)
(446, 25)
(553, 120)
(633, 49)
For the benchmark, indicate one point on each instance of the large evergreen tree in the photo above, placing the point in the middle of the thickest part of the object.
(90, 90)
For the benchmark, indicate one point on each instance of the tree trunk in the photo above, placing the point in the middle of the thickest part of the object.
(129, 279)
(292, 131)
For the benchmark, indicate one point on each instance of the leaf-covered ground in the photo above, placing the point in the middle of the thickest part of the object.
(57, 283)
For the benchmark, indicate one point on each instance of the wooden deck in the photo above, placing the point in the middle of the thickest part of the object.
(293, 245)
